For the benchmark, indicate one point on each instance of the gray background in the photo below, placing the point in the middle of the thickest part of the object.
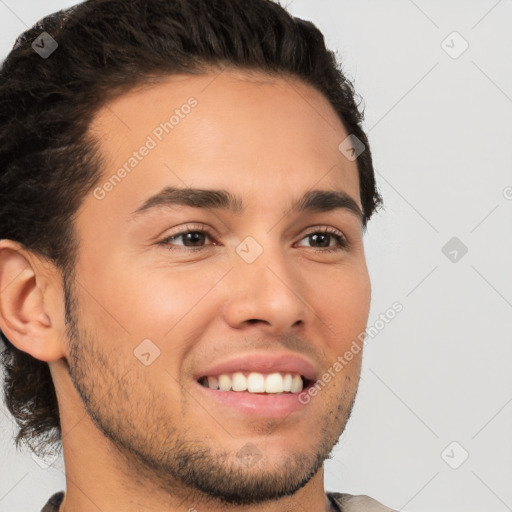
(436, 384)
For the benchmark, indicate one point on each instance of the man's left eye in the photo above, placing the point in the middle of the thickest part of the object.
(328, 234)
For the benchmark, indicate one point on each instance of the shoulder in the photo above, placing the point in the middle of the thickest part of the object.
(52, 505)
(357, 503)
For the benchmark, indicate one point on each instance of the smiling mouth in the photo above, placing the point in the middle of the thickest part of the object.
(275, 383)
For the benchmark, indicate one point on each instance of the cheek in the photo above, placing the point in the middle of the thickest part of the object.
(345, 308)
(161, 303)
(342, 301)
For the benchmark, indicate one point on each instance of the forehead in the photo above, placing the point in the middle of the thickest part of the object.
(255, 133)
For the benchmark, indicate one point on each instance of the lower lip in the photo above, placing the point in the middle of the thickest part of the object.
(265, 405)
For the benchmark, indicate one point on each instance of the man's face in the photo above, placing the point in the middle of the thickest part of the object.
(261, 281)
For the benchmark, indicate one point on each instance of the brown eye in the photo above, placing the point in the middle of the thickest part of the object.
(324, 237)
(193, 239)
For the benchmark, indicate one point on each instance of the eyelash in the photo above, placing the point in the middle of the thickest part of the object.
(344, 244)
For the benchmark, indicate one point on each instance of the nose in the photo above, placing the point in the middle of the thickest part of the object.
(267, 291)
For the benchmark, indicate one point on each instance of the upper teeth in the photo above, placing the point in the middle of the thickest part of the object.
(256, 382)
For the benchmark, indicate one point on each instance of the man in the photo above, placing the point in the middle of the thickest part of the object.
(167, 169)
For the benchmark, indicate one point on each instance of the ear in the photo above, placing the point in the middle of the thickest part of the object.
(31, 303)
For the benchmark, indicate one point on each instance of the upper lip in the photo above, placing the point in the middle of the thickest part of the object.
(263, 362)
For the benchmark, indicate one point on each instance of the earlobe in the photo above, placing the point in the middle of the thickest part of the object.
(25, 316)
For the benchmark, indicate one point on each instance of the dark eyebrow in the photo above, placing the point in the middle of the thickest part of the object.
(311, 201)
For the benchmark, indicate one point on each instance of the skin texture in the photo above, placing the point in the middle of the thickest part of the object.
(142, 438)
